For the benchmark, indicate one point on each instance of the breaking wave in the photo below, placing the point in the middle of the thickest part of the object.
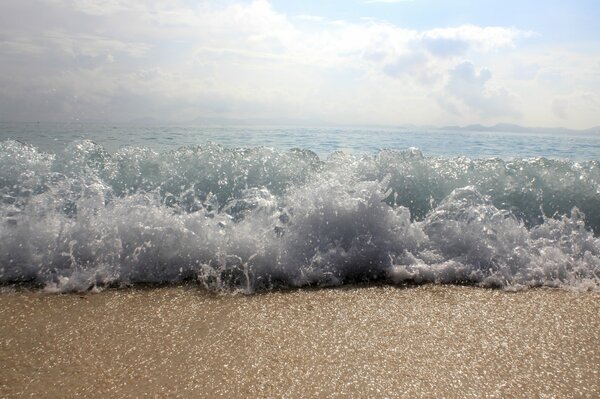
(254, 219)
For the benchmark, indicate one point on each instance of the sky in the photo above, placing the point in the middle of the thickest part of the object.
(383, 62)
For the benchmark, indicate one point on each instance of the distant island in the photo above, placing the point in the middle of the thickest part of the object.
(513, 128)
(297, 122)
(499, 127)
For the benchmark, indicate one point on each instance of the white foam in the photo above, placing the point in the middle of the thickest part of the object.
(253, 219)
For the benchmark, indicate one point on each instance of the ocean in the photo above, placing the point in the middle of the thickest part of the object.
(252, 209)
(298, 262)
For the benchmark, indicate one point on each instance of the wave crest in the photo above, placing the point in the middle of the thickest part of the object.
(254, 219)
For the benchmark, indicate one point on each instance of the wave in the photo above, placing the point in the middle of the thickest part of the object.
(256, 219)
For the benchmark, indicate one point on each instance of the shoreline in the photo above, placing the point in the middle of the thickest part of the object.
(376, 341)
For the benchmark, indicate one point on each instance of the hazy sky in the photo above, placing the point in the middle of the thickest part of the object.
(348, 61)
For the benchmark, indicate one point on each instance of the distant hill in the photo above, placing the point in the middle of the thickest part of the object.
(512, 128)
(223, 121)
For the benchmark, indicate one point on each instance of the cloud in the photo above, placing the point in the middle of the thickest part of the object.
(177, 59)
(559, 108)
(95, 7)
(446, 47)
(426, 55)
(415, 65)
(467, 91)
(590, 98)
(475, 37)
(522, 71)
(309, 17)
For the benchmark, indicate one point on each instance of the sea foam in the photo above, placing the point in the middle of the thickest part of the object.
(256, 218)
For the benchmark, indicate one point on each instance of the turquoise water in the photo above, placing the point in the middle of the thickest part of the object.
(323, 141)
(250, 209)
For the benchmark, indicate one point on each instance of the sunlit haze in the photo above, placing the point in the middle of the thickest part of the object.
(425, 62)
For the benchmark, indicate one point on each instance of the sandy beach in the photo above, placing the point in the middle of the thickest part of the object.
(376, 341)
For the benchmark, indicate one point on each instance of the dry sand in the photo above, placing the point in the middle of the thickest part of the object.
(352, 342)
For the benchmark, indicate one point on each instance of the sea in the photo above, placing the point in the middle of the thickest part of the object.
(86, 206)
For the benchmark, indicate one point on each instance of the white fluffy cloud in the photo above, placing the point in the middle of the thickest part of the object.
(467, 92)
(177, 60)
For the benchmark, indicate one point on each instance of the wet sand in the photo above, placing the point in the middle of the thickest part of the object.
(351, 342)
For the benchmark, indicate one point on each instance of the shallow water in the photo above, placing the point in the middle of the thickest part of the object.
(81, 215)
